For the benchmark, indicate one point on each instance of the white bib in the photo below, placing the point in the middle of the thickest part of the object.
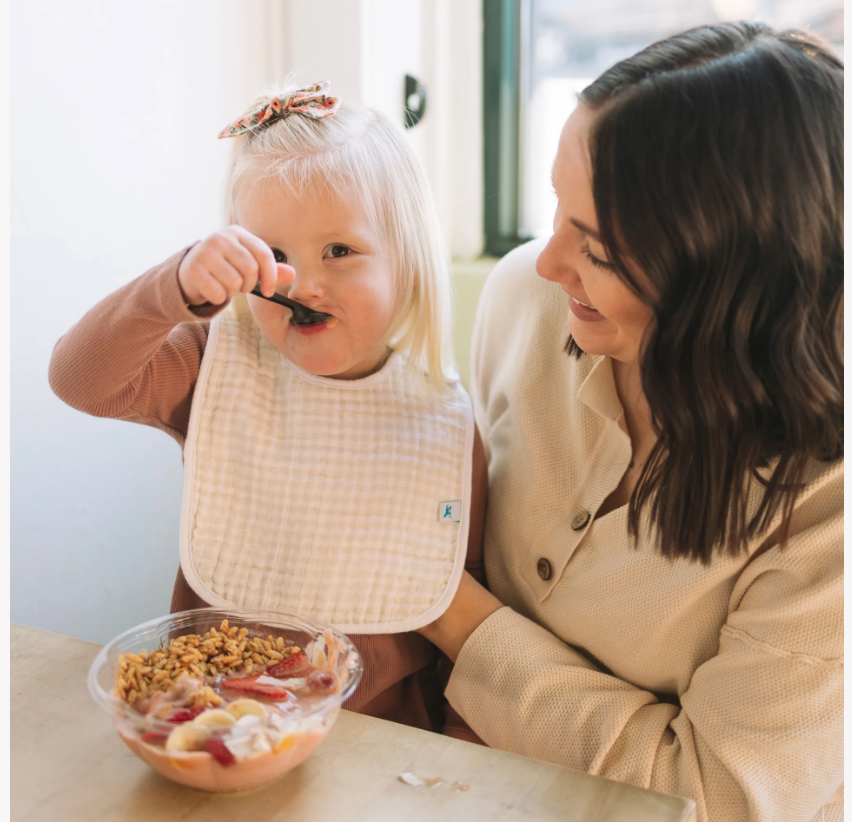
(345, 501)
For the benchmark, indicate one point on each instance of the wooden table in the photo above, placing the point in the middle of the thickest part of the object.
(68, 764)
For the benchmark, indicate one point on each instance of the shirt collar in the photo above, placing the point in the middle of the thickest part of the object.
(598, 390)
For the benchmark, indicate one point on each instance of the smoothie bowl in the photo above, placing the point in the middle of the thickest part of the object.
(225, 700)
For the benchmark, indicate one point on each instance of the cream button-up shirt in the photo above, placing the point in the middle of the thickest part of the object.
(720, 683)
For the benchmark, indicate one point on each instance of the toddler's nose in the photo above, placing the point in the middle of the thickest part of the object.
(305, 285)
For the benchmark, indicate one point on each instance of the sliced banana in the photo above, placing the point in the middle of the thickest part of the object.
(185, 737)
(246, 707)
(216, 718)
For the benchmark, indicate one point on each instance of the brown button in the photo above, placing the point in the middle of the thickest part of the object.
(544, 568)
(580, 521)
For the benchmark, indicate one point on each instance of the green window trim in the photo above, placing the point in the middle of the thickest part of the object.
(501, 113)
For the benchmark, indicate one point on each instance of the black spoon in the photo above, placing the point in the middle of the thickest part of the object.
(302, 315)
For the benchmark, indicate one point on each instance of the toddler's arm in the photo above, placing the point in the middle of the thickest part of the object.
(136, 354)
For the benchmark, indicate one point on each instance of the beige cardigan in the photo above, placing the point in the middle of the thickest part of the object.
(722, 683)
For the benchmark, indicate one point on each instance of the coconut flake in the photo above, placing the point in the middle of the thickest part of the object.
(410, 779)
(243, 747)
(247, 722)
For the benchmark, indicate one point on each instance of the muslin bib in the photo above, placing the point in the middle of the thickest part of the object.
(345, 501)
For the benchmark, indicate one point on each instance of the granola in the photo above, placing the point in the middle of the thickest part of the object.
(219, 652)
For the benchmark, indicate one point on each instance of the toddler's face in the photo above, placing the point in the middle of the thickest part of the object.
(342, 269)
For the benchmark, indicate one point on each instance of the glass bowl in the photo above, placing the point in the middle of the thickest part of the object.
(291, 738)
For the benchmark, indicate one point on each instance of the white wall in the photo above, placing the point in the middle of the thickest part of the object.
(116, 165)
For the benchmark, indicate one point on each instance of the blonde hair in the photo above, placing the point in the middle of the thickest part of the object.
(360, 155)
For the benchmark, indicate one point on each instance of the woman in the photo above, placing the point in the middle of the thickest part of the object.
(664, 531)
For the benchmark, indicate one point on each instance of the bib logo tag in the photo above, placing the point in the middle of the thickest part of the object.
(449, 511)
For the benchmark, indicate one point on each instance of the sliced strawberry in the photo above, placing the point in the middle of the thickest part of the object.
(186, 714)
(154, 737)
(219, 751)
(250, 685)
(292, 666)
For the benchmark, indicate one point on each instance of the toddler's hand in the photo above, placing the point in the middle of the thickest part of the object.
(229, 261)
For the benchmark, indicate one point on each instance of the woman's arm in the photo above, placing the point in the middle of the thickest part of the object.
(136, 354)
(470, 607)
(758, 733)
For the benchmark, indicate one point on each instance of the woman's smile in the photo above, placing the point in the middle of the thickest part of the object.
(583, 311)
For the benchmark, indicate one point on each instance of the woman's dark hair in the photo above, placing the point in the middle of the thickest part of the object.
(717, 164)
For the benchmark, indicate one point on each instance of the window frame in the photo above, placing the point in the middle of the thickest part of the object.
(504, 28)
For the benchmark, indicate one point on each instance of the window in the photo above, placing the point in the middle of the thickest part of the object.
(539, 53)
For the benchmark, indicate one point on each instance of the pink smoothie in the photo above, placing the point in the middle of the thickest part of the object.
(199, 769)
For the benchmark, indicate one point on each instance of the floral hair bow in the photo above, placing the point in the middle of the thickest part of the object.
(312, 101)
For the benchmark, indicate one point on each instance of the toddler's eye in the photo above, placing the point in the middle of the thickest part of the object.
(280, 256)
(338, 251)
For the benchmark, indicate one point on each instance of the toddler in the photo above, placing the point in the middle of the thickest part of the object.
(332, 465)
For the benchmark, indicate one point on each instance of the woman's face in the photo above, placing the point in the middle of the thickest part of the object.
(604, 315)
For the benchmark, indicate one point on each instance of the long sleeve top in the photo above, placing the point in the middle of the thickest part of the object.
(721, 683)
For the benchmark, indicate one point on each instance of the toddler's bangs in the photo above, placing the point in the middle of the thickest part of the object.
(309, 157)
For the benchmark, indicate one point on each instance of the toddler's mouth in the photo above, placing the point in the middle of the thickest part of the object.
(314, 328)
(304, 316)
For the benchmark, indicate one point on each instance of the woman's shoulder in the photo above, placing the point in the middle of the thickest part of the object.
(818, 508)
(521, 329)
(789, 595)
(517, 308)
(519, 311)
(825, 477)
(820, 498)
(514, 276)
